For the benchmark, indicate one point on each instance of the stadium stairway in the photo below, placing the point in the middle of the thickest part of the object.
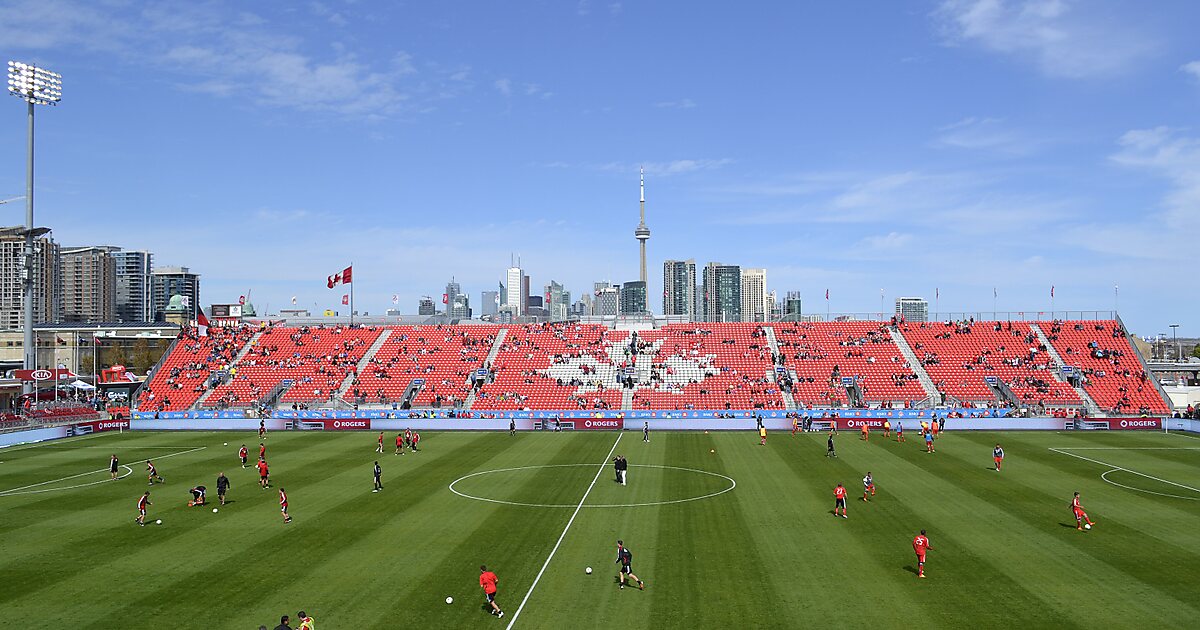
(232, 365)
(487, 363)
(789, 402)
(1088, 402)
(914, 364)
(348, 382)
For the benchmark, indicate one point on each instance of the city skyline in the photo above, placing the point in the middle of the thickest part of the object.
(954, 141)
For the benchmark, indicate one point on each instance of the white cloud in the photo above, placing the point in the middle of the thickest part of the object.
(985, 134)
(504, 86)
(889, 241)
(685, 103)
(1192, 68)
(674, 167)
(1061, 41)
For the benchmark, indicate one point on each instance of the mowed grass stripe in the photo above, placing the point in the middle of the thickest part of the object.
(1013, 516)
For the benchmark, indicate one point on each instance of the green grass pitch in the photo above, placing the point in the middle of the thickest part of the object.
(765, 554)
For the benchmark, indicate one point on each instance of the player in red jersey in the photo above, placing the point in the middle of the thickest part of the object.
(998, 456)
(487, 581)
(795, 425)
(935, 426)
(839, 501)
(408, 437)
(1080, 515)
(921, 545)
(415, 441)
(242, 454)
(143, 501)
(262, 450)
(399, 444)
(379, 449)
(264, 474)
(152, 473)
(283, 504)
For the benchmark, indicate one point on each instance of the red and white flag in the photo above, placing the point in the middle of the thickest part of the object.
(1052, 290)
(445, 298)
(346, 298)
(242, 300)
(202, 324)
(340, 278)
(826, 294)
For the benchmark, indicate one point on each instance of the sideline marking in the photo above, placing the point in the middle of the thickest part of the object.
(1116, 468)
(563, 535)
(732, 485)
(25, 489)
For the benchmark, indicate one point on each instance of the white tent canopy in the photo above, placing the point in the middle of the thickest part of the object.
(78, 384)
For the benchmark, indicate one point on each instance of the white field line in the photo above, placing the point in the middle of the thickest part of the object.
(1183, 435)
(1129, 448)
(90, 472)
(563, 535)
(1115, 467)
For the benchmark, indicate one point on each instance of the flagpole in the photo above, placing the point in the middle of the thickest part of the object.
(352, 295)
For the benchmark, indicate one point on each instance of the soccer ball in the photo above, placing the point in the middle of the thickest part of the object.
(449, 600)
(214, 510)
(227, 444)
(588, 570)
(1087, 525)
(158, 522)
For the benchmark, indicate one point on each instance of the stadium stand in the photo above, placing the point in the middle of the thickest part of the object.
(675, 367)
(958, 356)
(1112, 374)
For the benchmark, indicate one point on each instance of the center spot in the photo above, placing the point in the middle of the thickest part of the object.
(562, 485)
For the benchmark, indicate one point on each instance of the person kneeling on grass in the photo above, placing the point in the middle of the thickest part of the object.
(197, 496)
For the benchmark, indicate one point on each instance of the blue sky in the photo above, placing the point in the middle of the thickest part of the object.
(959, 145)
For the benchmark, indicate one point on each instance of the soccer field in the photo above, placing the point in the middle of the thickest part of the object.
(725, 533)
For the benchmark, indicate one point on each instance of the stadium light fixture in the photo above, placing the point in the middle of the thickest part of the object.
(35, 86)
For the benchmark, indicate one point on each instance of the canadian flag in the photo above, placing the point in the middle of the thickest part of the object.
(242, 300)
(202, 324)
(345, 298)
(445, 298)
(340, 278)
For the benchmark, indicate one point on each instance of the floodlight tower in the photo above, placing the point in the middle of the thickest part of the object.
(35, 86)
(642, 233)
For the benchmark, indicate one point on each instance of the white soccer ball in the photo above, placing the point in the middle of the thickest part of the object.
(588, 570)
(214, 510)
(1087, 525)
(158, 522)
(227, 444)
(449, 600)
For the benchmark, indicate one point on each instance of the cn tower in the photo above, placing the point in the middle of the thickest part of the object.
(642, 233)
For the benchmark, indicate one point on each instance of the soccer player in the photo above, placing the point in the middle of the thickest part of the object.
(512, 427)
(625, 557)
(998, 456)
(1080, 515)
(379, 449)
(829, 446)
(198, 494)
(262, 450)
(762, 435)
(408, 437)
(242, 454)
(839, 501)
(795, 425)
(934, 427)
(306, 622)
(887, 429)
(899, 431)
(487, 581)
(143, 501)
(416, 439)
(152, 473)
(262, 429)
(283, 504)
(222, 487)
(928, 440)
(264, 474)
(868, 486)
(646, 432)
(378, 474)
(921, 545)
(112, 466)
(399, 444)
(865, 431)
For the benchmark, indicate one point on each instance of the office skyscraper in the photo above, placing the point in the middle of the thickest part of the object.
(133, 301)
(721, 293)
(755, 307)
(679, 288)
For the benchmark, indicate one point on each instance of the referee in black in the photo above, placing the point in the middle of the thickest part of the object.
(222, 487)
(829, 445)
(378, 474)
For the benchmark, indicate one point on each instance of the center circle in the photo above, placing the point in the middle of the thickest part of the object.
(731, 484)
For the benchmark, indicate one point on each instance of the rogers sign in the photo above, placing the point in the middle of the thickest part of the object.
(1138, 423)
(349, 424)
(601, 424)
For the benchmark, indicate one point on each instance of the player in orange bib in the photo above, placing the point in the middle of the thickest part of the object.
(921, 545)
(1080, 515)
(935, 426)
(839, 501)
(865, 431)
(887, 429)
